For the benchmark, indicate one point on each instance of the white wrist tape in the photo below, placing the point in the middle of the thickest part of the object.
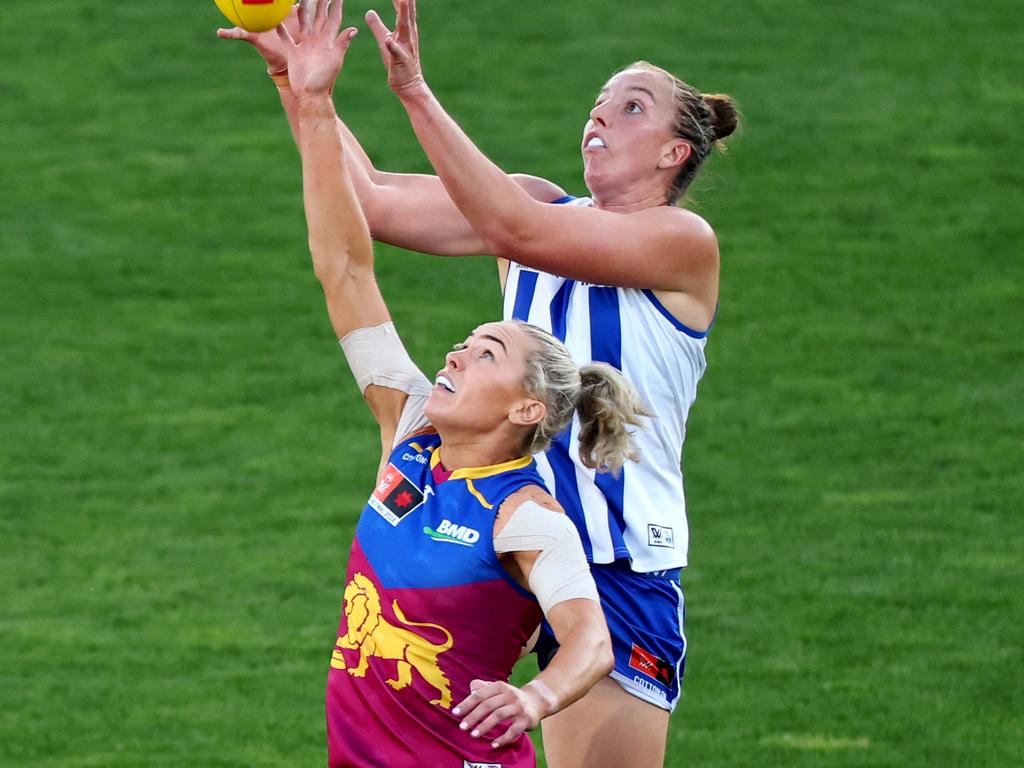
(561, 571)
(376, 356)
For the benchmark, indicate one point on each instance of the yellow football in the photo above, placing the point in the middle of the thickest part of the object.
(255, 15)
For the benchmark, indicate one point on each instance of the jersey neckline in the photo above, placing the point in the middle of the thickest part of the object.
(475, 473)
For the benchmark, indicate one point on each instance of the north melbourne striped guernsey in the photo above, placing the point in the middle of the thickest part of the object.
(641, 515)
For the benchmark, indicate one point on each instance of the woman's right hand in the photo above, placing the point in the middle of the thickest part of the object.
(316, 50)
(268, 44)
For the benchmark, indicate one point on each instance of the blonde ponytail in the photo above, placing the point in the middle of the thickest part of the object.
(606, 402)
(608, 406)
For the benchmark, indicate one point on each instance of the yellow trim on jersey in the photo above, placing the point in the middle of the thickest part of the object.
(475, 473)
(479, 496)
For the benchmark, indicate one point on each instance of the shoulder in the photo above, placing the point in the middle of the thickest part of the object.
(684, 238)
(517, 498)
(680, 223)
(425, 439)
(539, 189)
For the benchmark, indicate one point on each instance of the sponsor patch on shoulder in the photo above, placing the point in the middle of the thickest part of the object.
(660, 536)
(395, 495)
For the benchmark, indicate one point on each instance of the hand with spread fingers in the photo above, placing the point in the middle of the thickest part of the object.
(268, 44)
(399, 49)
(490, 704)
(315, 50)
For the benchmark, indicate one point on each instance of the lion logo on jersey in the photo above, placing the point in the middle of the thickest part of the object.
(374, 636)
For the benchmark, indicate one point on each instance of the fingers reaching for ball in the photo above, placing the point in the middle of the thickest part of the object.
(400, 48)
(269, 44)
(315, 46)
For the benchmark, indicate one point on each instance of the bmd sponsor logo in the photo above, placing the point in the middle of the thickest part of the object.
(453, 533)
(660, 536)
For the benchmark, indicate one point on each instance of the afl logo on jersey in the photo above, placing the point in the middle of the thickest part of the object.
(660, 536)
(395, 495)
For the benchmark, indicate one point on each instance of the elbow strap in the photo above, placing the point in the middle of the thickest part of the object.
(376, 356)
(561, 571)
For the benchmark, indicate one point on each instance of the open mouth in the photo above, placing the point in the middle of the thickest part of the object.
(595, 142)
(444, 383)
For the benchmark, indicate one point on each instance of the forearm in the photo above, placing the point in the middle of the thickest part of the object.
(357, 162)
(289, 103)
(339, 239)
(360, 167)
(584, 657)
(492, 202)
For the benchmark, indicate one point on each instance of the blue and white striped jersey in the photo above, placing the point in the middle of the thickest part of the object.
(641, 515)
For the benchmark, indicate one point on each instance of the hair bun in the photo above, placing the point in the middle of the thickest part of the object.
(725, 118)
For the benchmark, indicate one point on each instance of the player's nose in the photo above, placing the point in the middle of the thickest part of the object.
(453, 360)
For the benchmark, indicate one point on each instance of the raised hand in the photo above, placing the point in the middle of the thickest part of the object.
(399, 50)
(490, 704)
(315, 50)
(268, 44)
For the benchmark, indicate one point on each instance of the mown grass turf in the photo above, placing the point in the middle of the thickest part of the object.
(184, 454)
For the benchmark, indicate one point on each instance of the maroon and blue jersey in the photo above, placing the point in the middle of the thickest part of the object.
(428, 607)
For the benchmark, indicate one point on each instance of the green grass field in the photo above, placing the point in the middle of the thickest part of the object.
(183, 454)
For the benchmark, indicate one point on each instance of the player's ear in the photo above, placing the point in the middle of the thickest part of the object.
(675, 153)
(527, 412)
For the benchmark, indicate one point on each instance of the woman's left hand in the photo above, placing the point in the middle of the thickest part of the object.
(316, 50)
(399, 50)
(489, 704)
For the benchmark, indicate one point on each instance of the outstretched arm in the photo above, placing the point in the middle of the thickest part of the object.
(339, 240)
(660, 248)
(411, 211)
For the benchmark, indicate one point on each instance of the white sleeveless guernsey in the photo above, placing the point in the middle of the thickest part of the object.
(641, 515)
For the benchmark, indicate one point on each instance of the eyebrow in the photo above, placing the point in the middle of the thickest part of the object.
(648, 91)
(640, 88)
(497, 340)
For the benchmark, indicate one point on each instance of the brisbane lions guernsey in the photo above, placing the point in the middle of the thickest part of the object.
(427, 608)
(641, 514)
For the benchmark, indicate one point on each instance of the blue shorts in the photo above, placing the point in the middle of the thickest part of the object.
(645, 614)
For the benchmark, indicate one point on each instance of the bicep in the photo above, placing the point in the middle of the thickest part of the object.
(387, 405)
(414, 211)
(547, 551)
(659, 248)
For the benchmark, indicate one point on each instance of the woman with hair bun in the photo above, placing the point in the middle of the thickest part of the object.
(623, 276)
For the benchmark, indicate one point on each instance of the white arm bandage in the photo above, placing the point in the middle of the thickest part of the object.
(561, 571)
(376, 356)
